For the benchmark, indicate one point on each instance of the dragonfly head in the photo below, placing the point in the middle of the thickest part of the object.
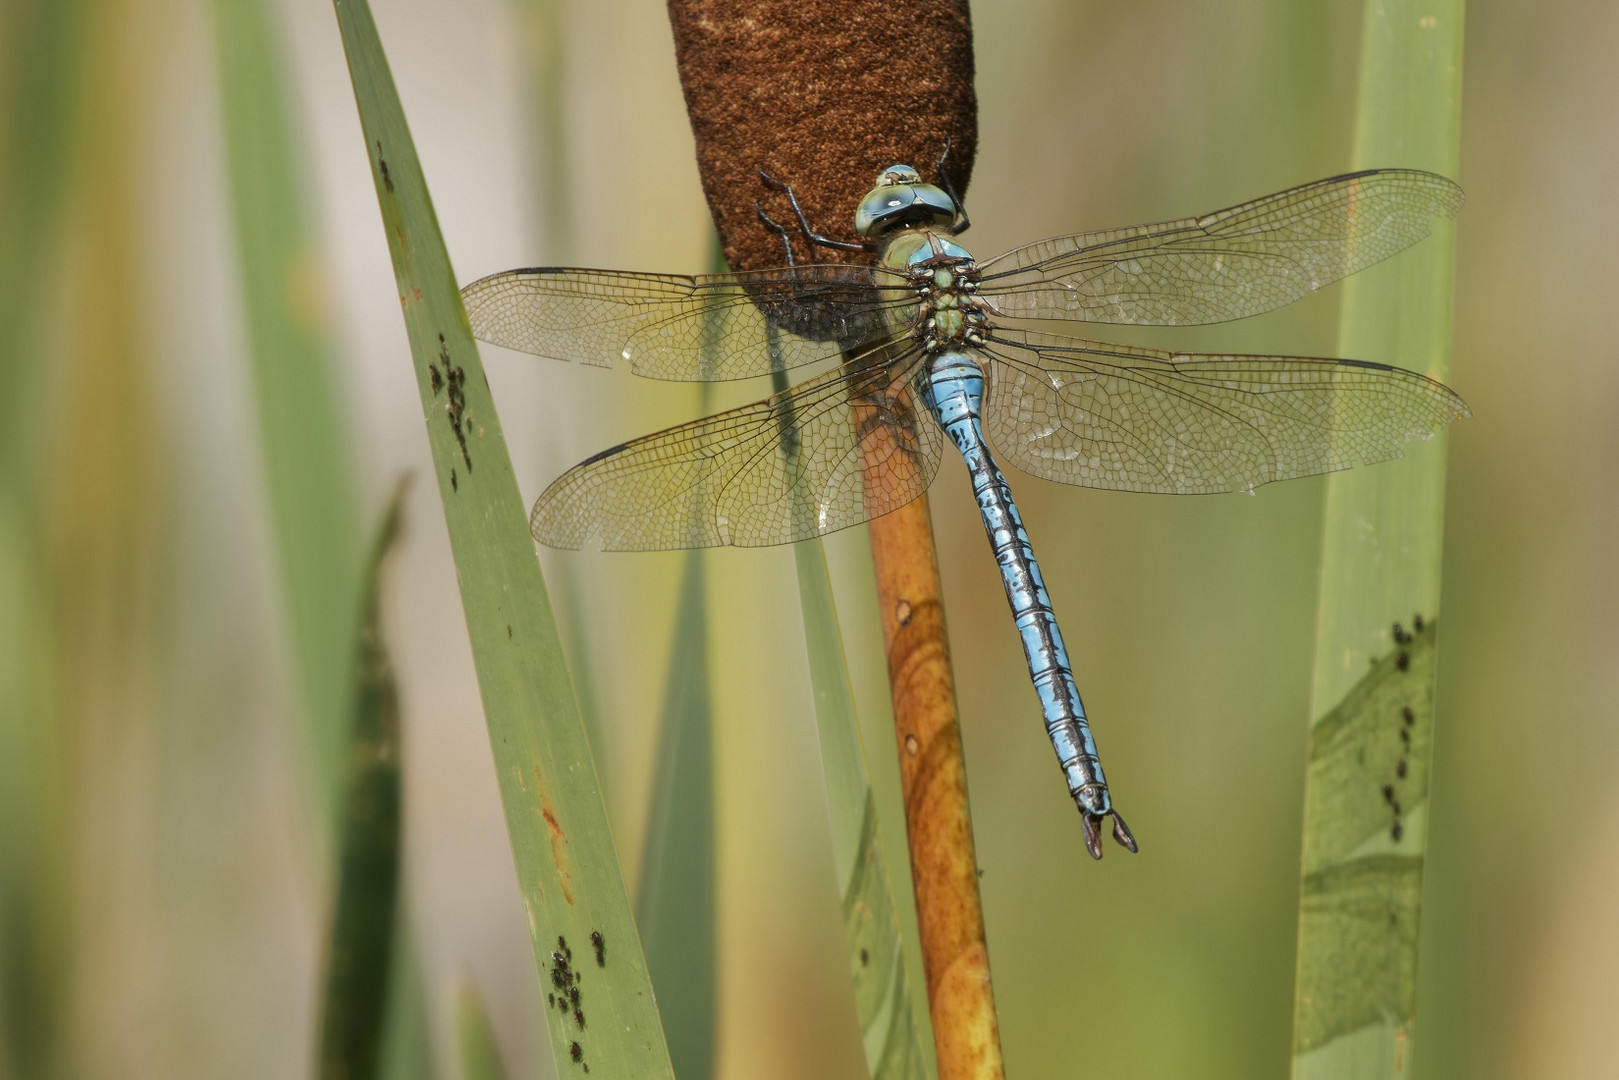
(901, 200)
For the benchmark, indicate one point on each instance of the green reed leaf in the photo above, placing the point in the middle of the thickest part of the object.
(359, 955)
(1366, 804)
(306, 457)
(563, 849)
(675, 907)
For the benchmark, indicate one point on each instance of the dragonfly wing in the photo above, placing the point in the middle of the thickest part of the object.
(831, 452)
(1255, 257)
(1131, 419)
(670, 326)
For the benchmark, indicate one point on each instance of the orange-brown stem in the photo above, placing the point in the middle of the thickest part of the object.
(944, 870)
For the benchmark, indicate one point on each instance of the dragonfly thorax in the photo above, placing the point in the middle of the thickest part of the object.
(949, 313)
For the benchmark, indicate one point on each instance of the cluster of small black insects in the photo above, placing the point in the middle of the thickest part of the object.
(455, 377)
(565, 995)
(1408, 719)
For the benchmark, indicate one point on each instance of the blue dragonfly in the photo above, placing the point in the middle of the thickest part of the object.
(924, 352)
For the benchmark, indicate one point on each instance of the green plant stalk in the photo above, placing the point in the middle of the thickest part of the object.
(545, 59)
(561, 844)
(43, 60)
(870, 917)
(34, 848)
(1373, 696)
(360, 951)
(480, 1056)
(545, 78)
(407, 1052)
(306, 457)
(675, 906)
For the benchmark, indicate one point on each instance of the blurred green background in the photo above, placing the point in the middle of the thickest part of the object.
(166, 867)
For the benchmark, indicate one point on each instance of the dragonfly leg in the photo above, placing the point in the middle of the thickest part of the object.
(779, 229)
(955, 395)
(815, 239)
(962, 222)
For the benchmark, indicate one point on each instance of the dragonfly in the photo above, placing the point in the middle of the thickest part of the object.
(928, 348)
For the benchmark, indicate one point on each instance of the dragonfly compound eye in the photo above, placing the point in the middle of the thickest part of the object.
(900, 199)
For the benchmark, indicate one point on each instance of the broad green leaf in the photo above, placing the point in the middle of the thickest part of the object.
(1356, 992)
(311, 482)
(566, 864)
(359, 953)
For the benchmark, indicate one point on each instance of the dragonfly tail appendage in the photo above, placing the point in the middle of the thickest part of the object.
(1092, 824)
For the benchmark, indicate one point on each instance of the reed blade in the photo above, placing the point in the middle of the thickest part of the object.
(567, 868)
(1375, 670)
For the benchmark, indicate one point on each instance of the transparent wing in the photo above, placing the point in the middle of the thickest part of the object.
(1255, 257)
(1129, 419)
(831, 452)
(670, 326)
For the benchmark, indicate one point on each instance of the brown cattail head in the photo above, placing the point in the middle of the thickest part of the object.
(822, 95)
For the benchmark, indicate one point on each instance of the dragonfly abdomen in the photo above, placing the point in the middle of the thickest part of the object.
(956, 395)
